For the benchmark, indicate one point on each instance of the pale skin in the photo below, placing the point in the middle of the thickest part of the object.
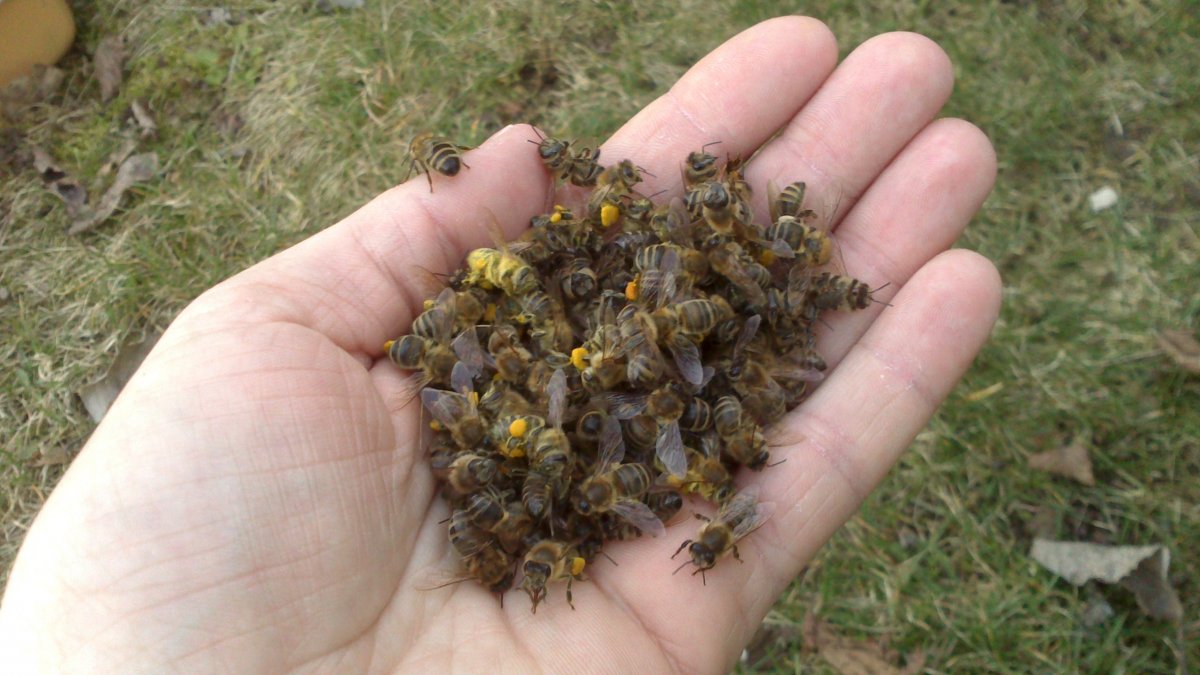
(257, 500)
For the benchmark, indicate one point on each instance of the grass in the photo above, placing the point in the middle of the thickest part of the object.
(281, 124)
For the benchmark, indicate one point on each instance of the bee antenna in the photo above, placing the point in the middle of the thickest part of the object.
(643, 170)
(778, 463)
(538, 132)
(689, 562)
(656, 194)
(614, 562)
(709, 143)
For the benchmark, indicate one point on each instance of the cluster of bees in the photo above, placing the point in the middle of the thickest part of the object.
(621, 356)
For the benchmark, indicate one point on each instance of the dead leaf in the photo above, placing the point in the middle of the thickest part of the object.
(109, 64)
(39, 84)
(52, 456)
(1182, 347)
(1152, 588)
(133, 170)
(849, 656)
(1141, 569)
(99, 395)
(1071, 461)
(769, 636)
(57, 181)
(117, 157)
(140, 111)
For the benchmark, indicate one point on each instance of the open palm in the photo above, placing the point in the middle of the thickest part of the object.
(257, 499)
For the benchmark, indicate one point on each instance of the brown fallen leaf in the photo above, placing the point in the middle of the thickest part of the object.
(1181, 347)
(768, 637)
(849, 656)
(109, 64)
(1141, 569)
(133, 170)
(140, 111)
(57, 181)
(99, 395)
(1071, 461)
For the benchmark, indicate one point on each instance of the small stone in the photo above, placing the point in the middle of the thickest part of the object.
(1101, 199)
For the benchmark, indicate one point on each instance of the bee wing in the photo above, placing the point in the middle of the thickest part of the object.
(624, 406)
(773, 200)
(466, 346)
(612, 445)
(687, 359)
(784, 371)
(448, 302)
(639, 515)
(445, 406)
(782, 249)
(462, 378)
(745, 511)
(681, 223)
(556, 391)
(749, 330)
(668, 448)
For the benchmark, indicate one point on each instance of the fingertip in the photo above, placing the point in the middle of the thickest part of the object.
(915, 55)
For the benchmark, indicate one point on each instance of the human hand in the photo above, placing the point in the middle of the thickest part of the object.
(257, 498)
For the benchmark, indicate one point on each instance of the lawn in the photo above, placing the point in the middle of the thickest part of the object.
(279, 122)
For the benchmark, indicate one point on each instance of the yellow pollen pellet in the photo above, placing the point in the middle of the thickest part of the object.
(427, 305)
(387, 346)
(631, 290)
(579, 358)
(557, 215)
(609, 214)
(516, 452)
(517, 428)
(767, 258)
(436, 426)
(577, 566)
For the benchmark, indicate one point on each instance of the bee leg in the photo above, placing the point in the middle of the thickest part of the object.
(703, 517)
(681, 547)
(735, 554)
(569, 602)
(428, 176)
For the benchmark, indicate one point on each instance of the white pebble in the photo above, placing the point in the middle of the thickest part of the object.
(1103, 198)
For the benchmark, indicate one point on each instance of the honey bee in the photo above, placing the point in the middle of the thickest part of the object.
(547, 561)
(617, 488)
(480, 559)
(810, 244)
(612, 184)
(600, 358)
(585, 167)
(457, 411)
(837, 292)
(492, 568)
(550, 458)
(697, 415)
(788, 202)
(432, 153)
(577, 280)
(707, 475)
(717, 207)
(743, 439)
(664, 405)
(467, 538)
(719, 536)
(740, 190)
(429, 347)
(700, 167)
(749, 277)
(492, 268)
(465, 473)
(555, 154)
(506, 520)
(683, 325)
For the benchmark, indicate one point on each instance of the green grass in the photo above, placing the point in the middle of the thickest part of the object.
(328, 102)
